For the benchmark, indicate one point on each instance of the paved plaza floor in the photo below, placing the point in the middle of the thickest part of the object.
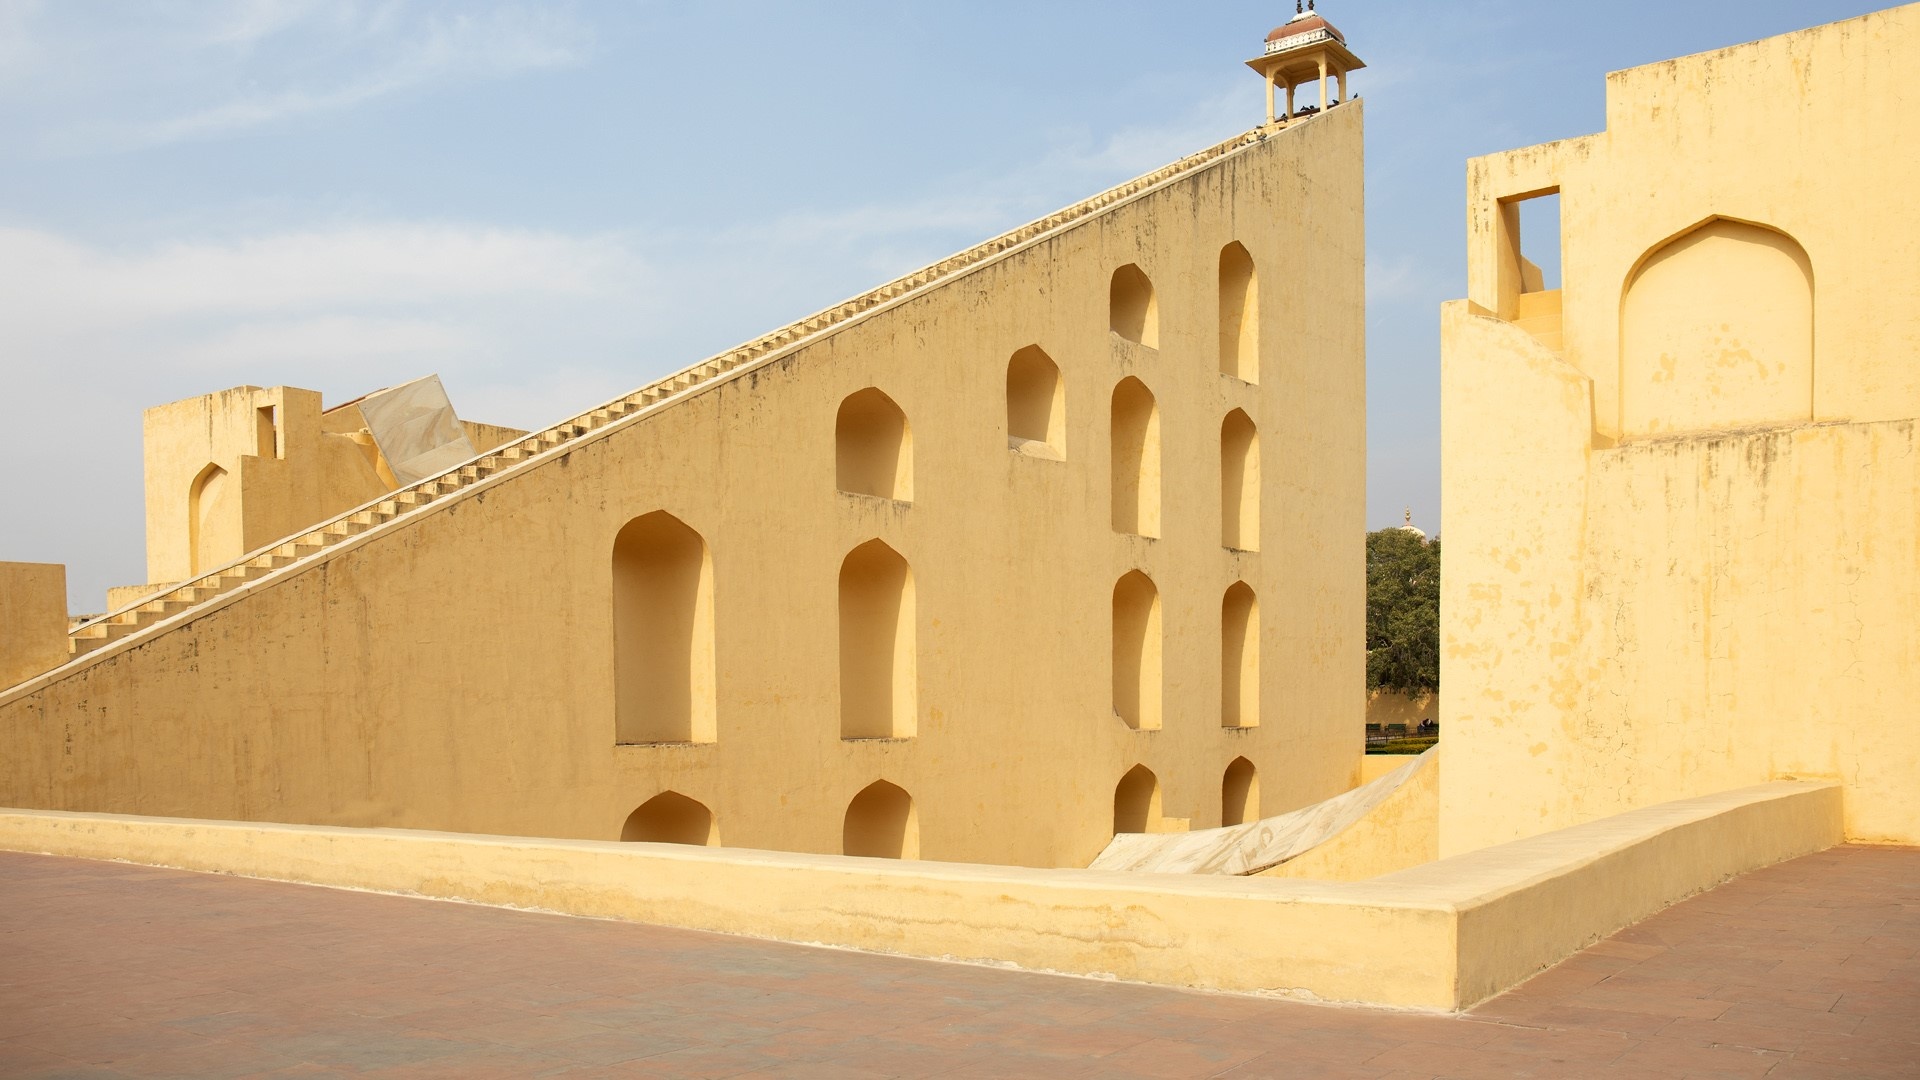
(1805, 970)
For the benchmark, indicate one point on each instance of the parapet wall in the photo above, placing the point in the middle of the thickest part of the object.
(1439, 937)
(1680, 491)
(1662, 619)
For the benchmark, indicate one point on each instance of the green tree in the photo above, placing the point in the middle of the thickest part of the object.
(1403, 612)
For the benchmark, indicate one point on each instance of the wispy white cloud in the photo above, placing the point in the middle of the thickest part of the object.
(242, 23)
(207, 70)
(342, 310)
(49, 280)
(17, 49)
(895, 235)
(488, 43)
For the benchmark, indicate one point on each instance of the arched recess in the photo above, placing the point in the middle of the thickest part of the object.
(1239, 315)
(1716, 331)
(1135, 311)
(1137, 651)
(1136, 459)
(1239, 658)
(1240, 793)
(671, 818)
(204, 498)
(662, 632)
(881, 824)
(1239, 482)
(878, 669)
(1136, 801)
(873, 447)
(1036, 405)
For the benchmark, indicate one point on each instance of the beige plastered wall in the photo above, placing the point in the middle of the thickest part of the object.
(1807, 134)
(33, 619)
(280, 476)
(1439, 937)
(457, 672)
(1639, 619)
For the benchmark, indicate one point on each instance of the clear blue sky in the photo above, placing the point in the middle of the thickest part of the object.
(553, 203)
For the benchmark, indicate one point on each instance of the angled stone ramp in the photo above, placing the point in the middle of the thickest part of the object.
(1242, 850)
(155, 612)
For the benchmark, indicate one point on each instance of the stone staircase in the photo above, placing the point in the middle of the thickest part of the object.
(1539, 315)
(90, 635)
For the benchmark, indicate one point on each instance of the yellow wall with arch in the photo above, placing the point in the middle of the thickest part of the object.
(471, 666)
(1682, 551)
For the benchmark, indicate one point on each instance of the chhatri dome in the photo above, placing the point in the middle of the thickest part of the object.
(1304, 28)
(1410, 529)
(1302, 51)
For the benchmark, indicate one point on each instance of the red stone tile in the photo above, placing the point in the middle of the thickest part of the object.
(1662, 1057)
(125, 961)
(1790, 1019)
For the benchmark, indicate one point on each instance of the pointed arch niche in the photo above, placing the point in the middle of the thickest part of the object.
(881, 823)
(1239, 315)
(662, 633)
(1136, 801)
(671, 818)
(878, 669)
(1036, 405)
(1137, 652)
(1239, 658)
(873, 447)
(1240, 793)
(1239, 482)
(1716, 331)
(1135, 459)
(204, 497)
(1135, 312)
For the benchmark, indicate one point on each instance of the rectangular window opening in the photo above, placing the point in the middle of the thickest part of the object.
(267, 432)
(1540, 243)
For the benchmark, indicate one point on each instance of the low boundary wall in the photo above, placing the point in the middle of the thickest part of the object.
(1441, 937)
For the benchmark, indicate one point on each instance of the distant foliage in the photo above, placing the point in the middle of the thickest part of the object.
(1403, 612)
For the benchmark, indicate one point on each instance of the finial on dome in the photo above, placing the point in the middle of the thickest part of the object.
(1409, 515)
(1304, 51)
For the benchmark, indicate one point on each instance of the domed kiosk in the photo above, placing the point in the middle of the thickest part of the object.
(1303, 49)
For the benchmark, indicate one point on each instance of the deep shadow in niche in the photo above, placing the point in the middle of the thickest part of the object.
(881, 823)
(671, 818)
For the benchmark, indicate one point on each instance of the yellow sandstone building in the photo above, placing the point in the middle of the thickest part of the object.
(1055, 538)
(1038, 574)
(1680, 491)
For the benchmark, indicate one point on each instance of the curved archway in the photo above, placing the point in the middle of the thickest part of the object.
(664, 686)
(881, 823)
(1240, 793)
(1239, 658)
(1716, 331)
(873, 447)
(1135, 459)
(671, 818)
(879, 672)
(1136, 801)
(1239, 314)
(1135, 312)
(204, 498)
(1239, 482)
(1137, 651)
(1036, 405)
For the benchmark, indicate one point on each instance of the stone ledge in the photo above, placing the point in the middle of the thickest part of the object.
(1438, 937)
